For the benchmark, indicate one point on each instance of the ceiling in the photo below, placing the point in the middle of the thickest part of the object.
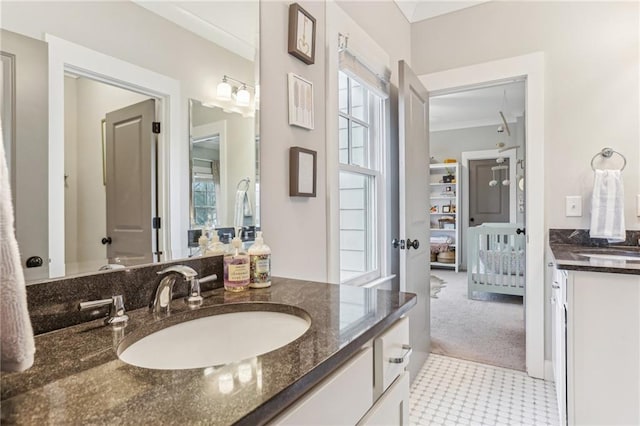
(477, 107)
(418, 10)
(230, 24)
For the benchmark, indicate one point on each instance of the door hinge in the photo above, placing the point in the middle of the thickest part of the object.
(156, 223)
(155, 127)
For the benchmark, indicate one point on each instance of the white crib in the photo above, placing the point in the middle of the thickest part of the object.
(495, 259)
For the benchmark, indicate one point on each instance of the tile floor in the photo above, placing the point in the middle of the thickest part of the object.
(450, 391)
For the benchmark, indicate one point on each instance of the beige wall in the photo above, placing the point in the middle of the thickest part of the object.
(294, 227)
(385, 23)
(591, 78)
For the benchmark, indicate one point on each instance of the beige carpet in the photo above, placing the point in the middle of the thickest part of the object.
(489, 330)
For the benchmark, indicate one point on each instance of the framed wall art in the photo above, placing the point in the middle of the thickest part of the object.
(302, 34)
(302, 172)
(300, 102)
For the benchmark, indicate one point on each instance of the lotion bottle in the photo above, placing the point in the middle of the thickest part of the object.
(260, 260)
(236, 267)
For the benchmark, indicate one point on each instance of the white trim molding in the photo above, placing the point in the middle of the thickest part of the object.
(172, 157)
(531, 67)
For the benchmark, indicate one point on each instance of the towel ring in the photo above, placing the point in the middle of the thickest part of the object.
(244, 181)
(607, 153)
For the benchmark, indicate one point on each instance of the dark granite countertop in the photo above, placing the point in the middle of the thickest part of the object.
(574, 257)
(77, 377)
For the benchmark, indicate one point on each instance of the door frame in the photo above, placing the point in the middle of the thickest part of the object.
(531, 67)
(485, 154)
(65, 56)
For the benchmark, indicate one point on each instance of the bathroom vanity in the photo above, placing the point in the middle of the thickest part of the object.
(339, 366)
(595, 311)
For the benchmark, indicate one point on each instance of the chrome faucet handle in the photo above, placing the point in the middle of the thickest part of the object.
(117, 315)
(208, 278)
(195, 299)
(184, 270)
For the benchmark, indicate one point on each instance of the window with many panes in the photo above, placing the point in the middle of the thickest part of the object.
(360, 138)
(204, 193)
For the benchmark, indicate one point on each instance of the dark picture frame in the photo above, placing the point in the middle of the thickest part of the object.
(302, 172)
(302, 34)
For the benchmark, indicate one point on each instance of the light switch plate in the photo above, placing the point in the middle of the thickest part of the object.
(573, 205)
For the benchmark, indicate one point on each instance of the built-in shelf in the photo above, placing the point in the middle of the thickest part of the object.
(440, 198)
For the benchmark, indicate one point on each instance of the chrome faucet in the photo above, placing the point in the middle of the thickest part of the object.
(117, 316)
(161, 303)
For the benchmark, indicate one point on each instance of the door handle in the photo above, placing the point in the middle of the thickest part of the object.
(397, 243)
(106, 240)
(520, 231)
(415, 244)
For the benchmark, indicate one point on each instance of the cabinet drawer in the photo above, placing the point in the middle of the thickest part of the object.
(391, 352)
(341, 399)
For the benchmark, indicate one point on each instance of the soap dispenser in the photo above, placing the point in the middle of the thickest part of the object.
(203, 244)
(216, 247)
(236, 267)
(260, 260)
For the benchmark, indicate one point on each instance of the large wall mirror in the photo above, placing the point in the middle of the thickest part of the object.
(93, 181)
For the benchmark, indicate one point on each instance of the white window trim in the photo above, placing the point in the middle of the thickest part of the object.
(340, 22)
(379, 170)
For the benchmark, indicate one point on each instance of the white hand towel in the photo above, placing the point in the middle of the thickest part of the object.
(607, 206)
(16, 334)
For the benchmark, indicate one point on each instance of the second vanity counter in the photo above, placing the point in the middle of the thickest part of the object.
(574, 257)
(77, 377)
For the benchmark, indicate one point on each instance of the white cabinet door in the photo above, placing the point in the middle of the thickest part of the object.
(392, 409)
(341, 399)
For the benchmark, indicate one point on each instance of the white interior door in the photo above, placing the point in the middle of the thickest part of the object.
(414, 208)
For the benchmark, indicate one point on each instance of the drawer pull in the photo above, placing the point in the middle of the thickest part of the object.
(555, 286)
(405, 355)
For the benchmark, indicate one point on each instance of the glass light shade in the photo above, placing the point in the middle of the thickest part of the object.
(224, 91)
(243, 97)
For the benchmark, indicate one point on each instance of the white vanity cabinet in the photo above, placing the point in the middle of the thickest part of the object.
(602, 381)
(364, 390)
(559, 339)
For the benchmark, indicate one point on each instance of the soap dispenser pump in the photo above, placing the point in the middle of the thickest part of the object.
(236, 267)
(260, 260)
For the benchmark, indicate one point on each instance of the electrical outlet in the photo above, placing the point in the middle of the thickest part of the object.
(573, 205)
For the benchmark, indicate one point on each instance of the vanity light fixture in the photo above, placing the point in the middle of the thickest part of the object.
(240, 94)
(223, 90)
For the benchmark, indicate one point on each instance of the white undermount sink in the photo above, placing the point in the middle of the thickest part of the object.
(215, 340)
(616, 256)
